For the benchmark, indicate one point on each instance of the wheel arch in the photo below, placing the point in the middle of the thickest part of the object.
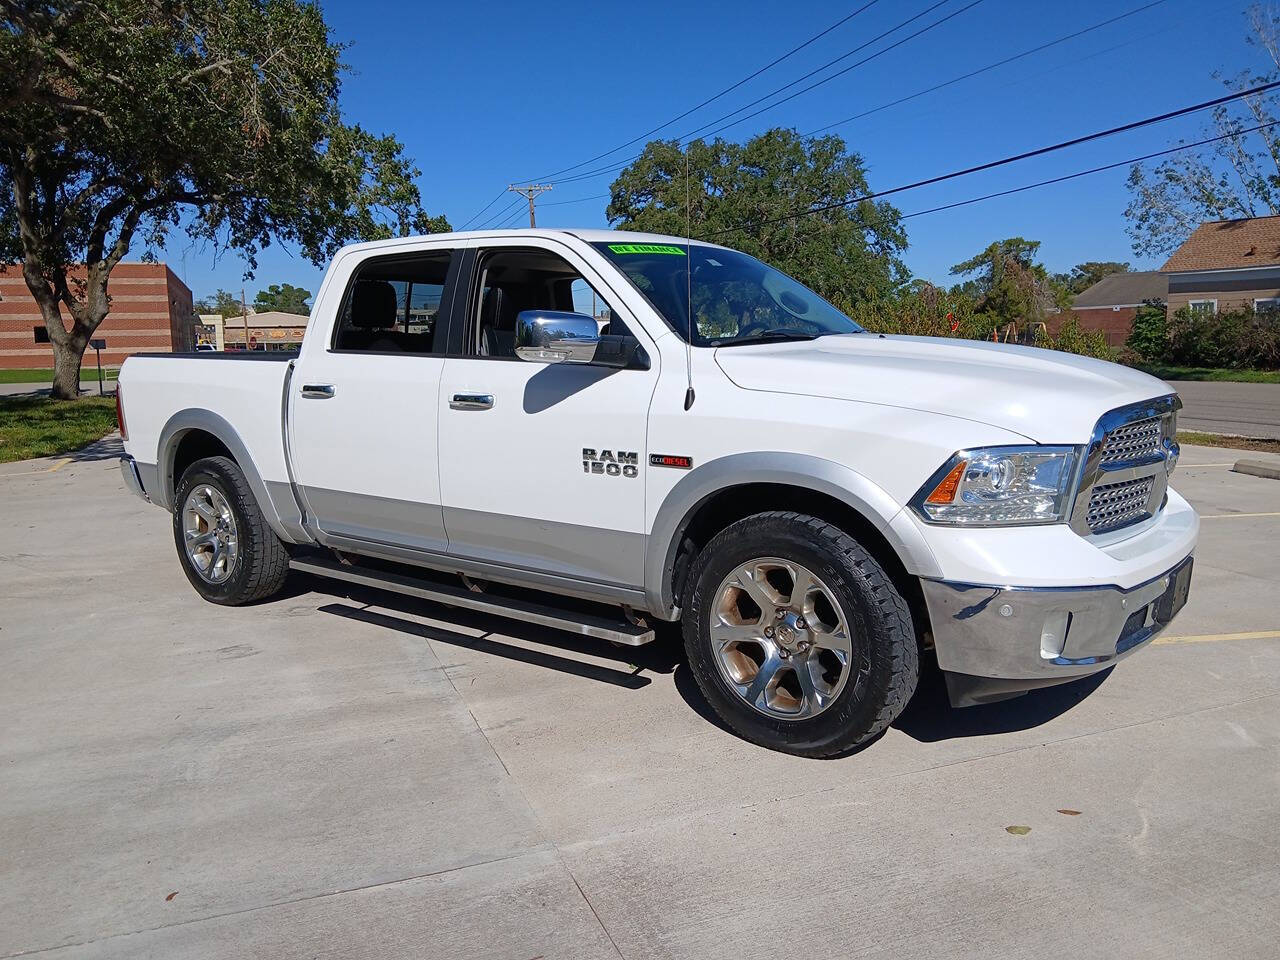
(192, 434)
(722, 491)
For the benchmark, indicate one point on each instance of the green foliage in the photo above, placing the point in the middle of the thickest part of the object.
(1085, 275)
(1009, 285)
(127, 119)
(1149, 338)
(285, 297)
(1232, 339)
(921, 310)
(222, 303)
(1072, 338)
(847, 254)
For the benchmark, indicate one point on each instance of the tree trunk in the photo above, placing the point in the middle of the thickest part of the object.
(66, 366)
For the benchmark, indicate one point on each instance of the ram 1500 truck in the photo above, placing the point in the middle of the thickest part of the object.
(602, 431)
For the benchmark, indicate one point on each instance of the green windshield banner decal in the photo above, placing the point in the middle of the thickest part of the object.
(645, 248)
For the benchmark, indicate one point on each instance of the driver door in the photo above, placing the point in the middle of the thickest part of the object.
(542, 466)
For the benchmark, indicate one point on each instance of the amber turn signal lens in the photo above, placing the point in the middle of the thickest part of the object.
(945, 491)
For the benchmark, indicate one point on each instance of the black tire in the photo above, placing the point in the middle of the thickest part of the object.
(884, 645)
(262, 563)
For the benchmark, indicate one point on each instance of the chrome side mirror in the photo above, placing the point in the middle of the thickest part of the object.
(553, 336)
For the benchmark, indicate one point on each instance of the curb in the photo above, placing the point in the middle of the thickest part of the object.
(1258, 468)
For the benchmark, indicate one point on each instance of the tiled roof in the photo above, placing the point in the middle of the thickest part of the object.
(1125, 289)
(1229, 245)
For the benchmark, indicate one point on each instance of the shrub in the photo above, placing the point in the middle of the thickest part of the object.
(1149, 338)
(1232, 339)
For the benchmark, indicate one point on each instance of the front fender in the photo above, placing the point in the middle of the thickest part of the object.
(788, 469)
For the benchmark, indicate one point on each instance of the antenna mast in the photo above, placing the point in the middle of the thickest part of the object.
(688, 291)
(529, 192)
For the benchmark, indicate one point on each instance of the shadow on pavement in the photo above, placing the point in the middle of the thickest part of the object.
(108, 448)
(561, 648)
(929, 716)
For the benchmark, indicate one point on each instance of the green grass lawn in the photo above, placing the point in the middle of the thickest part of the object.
(1261, 444)
(40, 427)
(1213, 373)
(88, 376)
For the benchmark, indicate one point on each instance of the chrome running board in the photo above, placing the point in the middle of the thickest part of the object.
(571, 621)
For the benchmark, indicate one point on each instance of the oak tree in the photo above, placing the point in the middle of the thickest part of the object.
(122, 121)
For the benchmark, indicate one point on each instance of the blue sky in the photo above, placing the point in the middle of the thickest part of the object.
(484, 94)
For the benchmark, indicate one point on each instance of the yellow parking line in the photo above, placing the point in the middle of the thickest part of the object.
(1224, 516)
(1214, 637)
(59, 465)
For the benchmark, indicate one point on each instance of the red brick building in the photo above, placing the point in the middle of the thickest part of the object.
(1111, 304)
(151, 312)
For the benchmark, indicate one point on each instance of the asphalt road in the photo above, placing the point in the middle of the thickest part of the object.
(352, 775)
(1239, 409)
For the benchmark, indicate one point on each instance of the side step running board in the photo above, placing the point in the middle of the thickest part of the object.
(573, 621)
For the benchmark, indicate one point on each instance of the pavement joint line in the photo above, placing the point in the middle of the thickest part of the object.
(1225, 516)
(533, 812)
(274, 904)
(1215, 637)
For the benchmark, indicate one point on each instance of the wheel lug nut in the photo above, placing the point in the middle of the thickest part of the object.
(801, 624)
(780, 613)
(768, 631)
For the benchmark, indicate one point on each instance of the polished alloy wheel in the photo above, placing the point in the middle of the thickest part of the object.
(780, 638)
(209, 533)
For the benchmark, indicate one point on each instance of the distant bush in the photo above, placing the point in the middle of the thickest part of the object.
(1149, 338)
(1072, 338)
(1231, 339)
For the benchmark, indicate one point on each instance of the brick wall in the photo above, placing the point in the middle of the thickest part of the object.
(1115, 322)
(150, 312)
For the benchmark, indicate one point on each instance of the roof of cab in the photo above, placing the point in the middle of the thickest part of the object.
(587, 235)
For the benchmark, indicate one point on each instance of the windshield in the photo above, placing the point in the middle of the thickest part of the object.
(736, 298)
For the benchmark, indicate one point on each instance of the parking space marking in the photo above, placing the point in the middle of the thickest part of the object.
(1224, 516)
(59, 465)
(1215, 637)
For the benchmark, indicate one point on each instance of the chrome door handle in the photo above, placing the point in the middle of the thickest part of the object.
(317, 391)
(471, 401)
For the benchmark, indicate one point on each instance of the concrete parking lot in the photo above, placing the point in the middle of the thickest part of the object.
(348, 774)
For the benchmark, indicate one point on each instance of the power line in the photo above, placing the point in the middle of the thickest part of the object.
(1026, 155)
(500, 215)
(729, 89)
(475, 217)
(1091, 170)
(687, 137)
(989, 67)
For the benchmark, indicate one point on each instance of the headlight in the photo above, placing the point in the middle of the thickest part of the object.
(1000, 486)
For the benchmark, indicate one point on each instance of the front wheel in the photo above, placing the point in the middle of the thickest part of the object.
(228, 550)
(796, 635)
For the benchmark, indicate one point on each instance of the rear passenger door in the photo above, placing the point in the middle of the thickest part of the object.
(363, 430)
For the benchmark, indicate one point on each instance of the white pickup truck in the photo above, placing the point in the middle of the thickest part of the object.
(600, 431)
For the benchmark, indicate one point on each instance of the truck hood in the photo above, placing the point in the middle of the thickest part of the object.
(1045, 395)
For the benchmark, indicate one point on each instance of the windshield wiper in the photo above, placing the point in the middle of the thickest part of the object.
(770, 336)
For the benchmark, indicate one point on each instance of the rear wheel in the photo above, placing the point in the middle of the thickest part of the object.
(227, 549)
(796, 635)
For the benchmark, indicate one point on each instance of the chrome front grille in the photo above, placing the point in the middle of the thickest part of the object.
(1116, 505)
(1140, 440)
(1125, 474)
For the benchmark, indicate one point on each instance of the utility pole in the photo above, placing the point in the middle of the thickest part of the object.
(529, 192)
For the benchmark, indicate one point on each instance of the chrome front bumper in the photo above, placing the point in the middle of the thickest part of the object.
(132, 479)
(1037, 636)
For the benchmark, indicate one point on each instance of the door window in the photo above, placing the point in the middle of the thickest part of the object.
(512, 281)
(393, 305)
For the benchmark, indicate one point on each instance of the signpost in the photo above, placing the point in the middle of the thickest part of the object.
(99, 344)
